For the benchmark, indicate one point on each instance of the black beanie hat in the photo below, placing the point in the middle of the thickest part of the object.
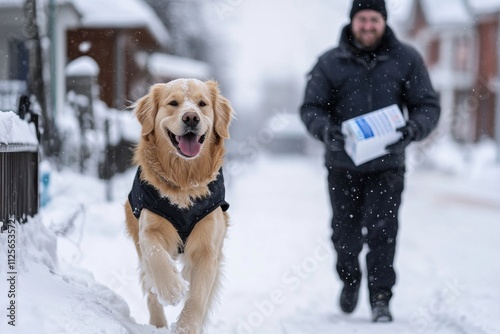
(378, 5)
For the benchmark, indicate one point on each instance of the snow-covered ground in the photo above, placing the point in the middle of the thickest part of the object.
(77, 270)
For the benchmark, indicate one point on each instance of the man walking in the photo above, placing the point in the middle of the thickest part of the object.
(369, 70)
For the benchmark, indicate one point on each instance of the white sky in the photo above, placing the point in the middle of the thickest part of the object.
(280, 38)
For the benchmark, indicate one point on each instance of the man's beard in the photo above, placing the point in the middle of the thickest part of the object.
(367, 44)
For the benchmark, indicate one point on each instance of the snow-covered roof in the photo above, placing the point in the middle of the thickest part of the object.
(170, 66)
(484, 6)
(443, 12)
(83, 66)
(399, 11)
(446, 12)
(121, 14)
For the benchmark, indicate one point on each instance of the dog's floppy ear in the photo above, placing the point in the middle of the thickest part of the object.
(223, 112)
(146, 108)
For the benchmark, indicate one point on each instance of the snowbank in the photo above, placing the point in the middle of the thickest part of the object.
(45, 299)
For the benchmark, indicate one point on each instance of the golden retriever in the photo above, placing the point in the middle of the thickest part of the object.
(180, 155)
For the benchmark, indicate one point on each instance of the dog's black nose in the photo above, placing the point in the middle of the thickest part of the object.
(191, 119)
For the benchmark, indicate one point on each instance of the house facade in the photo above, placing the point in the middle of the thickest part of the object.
(125, 38)
(114, 49)
(458, 39)
(98, 56)
(487, 84)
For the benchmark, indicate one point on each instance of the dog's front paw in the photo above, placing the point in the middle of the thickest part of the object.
(172, 292)
(186, 328)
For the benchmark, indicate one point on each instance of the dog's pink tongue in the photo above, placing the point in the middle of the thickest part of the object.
(189, 145)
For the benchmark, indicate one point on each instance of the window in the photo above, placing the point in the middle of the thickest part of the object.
(462, 53)
(433, 52)
(18, 60)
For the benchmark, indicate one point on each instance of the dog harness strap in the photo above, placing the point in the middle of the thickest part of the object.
(144, 196)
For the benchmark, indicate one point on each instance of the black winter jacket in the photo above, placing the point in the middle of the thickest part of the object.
(347, 82)
(144, 196)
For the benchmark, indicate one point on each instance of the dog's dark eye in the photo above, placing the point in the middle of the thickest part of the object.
(173, 103)
(202, 104)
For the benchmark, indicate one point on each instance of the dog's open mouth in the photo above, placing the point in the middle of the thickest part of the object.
(188, 145)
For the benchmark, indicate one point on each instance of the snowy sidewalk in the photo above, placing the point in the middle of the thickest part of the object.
(446, 261)
(279, 274)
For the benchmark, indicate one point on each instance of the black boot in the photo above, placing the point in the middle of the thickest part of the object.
(349, 297)
(380, 307)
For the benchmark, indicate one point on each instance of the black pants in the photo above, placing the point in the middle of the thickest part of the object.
(369, 200)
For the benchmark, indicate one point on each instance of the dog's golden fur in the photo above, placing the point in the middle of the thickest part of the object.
(181, 179)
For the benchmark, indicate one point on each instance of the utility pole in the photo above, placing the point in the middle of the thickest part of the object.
(36, 82)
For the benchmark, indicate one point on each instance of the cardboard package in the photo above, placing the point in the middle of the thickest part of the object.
(368, 135)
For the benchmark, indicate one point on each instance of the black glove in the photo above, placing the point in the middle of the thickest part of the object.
(408, 135)
(333, 138)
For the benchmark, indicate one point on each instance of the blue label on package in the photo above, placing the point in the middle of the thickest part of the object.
(365, 128)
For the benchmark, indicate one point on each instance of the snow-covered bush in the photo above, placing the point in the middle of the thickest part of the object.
(95, 136)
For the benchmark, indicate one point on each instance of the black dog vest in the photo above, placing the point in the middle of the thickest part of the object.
(145, 196)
